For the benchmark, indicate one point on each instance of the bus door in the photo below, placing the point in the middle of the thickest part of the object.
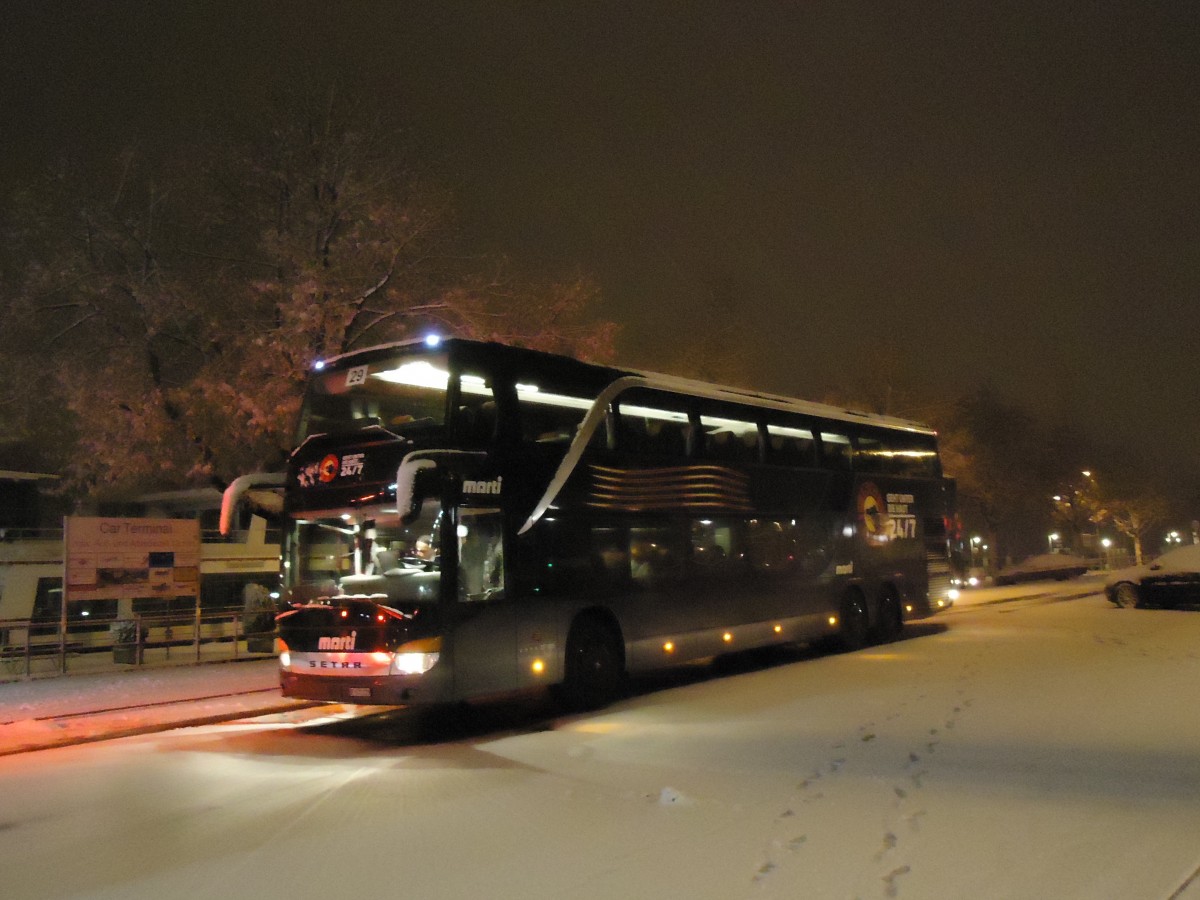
(485, 616)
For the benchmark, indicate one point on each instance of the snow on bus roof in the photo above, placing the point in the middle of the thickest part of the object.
(674, 383)
(777, 401)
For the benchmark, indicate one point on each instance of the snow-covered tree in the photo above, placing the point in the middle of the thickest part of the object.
(175, 312)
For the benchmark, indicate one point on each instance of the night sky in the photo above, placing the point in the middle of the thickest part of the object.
(953, 193)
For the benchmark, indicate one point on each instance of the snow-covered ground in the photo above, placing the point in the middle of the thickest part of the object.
(1037, 747)
(53, 712)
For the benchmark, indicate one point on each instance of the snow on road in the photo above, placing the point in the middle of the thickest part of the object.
(1043, 747)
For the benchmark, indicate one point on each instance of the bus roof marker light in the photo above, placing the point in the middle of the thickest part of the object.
(433, 340)
(319, 365)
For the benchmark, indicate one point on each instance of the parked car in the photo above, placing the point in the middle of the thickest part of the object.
(1169, 581)
(1045, 567)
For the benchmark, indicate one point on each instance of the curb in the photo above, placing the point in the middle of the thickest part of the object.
(135, 730)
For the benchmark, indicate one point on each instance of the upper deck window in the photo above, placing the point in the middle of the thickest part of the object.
(406, 391)
(729, 436)
(835, 451)
(791, 445)
(897, 453)
(548, 416)
(654, 423)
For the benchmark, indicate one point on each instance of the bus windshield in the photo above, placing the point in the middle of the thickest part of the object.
(404, 392)
(356, 555)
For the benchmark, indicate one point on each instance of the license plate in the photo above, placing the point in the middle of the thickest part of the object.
(360, 693)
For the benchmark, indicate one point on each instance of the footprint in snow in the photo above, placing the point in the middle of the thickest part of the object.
(890, 888)
(889, 843)
(764, 870)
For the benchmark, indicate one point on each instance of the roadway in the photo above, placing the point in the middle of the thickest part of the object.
(1032, 742)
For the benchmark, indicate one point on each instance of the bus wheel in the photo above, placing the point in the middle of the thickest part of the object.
(889, 621)
(594, 665)
(853, 631)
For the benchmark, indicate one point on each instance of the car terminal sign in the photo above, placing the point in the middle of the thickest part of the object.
(110, 559)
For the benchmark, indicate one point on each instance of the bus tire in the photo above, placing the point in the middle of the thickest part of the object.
(889, 620)
(594, 668)
(853, 628)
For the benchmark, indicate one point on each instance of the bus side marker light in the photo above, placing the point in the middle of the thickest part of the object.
(669, 647)
(538, 667)
(779, 629)
(727, 637)
(833, 621)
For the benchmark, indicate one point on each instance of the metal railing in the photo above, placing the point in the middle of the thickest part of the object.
(29, 649)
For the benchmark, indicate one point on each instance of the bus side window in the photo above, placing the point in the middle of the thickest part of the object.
(716, 550)
(872, 456)
(770, 546)
(655, 554)
(481, 555)
(610, 554)
(917, 456)
(835, 451)
(653, 424)
(548, 417)
(729, 439)
(791, 446)
(475, 419)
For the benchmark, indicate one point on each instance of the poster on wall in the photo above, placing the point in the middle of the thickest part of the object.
(107, 559)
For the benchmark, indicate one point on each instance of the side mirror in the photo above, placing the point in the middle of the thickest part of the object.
(232, 498)
(456, 462)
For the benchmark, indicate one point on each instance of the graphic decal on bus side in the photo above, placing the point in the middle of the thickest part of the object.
(331, 468)
(885, 518)
(678, 487)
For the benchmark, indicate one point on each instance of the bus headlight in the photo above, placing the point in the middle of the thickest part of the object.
(413, 663)
(416, 657)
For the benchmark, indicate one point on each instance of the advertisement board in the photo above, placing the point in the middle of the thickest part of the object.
(111, 558)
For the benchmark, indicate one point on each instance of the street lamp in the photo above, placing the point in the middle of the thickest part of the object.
(1052, 537)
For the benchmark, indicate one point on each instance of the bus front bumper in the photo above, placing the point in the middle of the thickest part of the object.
(381, 690)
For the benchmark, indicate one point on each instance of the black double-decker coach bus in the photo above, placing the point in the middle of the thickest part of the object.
(468, 519)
